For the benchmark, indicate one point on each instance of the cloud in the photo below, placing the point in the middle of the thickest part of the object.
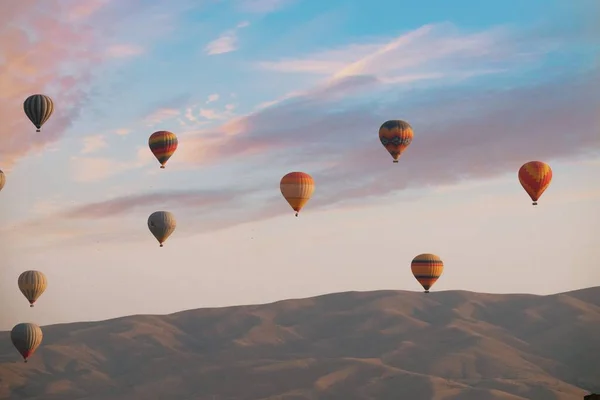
(262, 6)
(227, 42)
(122, 131)
(460, 134)
(477, 131)
(95, 169)
(91, 144)
(123, 205)
(84, 9)
(53, 48)
(429, 52)
(35, 47)
(212, 98)
(161, 115)
(124, 50)
(471, 135)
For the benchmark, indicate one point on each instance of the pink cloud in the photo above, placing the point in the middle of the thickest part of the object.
(262, 6)
(122, 205)
(54, 47)
(124, 50)
(50, 48)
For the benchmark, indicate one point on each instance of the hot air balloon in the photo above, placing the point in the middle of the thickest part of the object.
(162, 144)
(2, 179)
(26, 338)
(32, 284)
(38, 109)
(427, 268)
(161, 224)
(395, 136)
(297, 188)
(535, 177)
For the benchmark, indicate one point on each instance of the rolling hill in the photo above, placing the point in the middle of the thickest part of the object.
(450, 345)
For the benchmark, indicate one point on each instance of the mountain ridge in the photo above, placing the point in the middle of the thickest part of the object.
(351, 345)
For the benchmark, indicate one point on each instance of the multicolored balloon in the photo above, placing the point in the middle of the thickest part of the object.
(162, 224)
(163, 145)
(396, 136)
(427, 268)
(26, 338)
(535, 177)
(32, 284)
(297, 188)
(38, 108)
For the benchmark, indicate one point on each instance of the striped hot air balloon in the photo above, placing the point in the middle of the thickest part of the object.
(297, 188)
(163, 145)
(32, 284)
(38, 108)
(162, 224)
(535, 177)
(395, 136)
(427, 268)
(2, 179)
(26, 338)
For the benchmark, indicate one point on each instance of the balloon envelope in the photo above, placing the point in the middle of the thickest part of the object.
(427, 268)
(162, 224)
(535, 177)
(163, 145)
(32, 284)
(38, 108)
(26, 338)
(396, 136)
(2, 180)
(297, 188)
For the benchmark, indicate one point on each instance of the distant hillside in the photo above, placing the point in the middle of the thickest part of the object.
(372, 345)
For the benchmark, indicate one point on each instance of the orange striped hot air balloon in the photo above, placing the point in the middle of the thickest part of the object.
(297, 188)
(535, 177)
(427, 268)
(395, 136)
(162, 144)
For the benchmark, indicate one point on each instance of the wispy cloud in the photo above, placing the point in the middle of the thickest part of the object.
(262, 6)
(33, 66)
(56, 50)
(227, 42)
(161, 115)
(122, 205)
(122, 131)
(95, 169)
(330, 130)
(93, 143)
(124, 50)
(471, 135)
(430, 52)
(212, 98)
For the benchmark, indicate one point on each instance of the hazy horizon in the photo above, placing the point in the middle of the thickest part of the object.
(485, 88)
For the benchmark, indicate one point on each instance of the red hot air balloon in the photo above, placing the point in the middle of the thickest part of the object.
(163, 144)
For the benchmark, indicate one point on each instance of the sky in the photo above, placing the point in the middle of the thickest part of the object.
(255, 89)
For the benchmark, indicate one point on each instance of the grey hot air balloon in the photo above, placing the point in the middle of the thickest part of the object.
(32, 284)
(38, 108)
(162, 224)
(26, 338)
(2, 179)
